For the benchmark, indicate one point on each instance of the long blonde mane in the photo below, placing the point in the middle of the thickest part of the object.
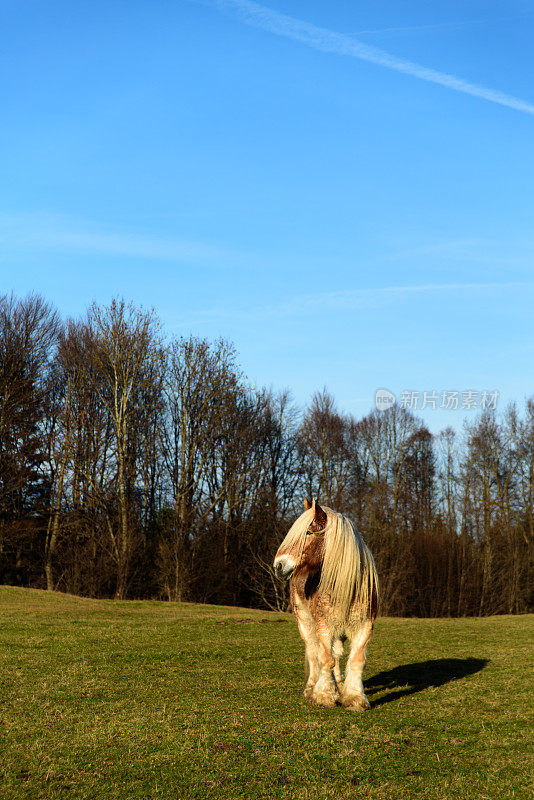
(348, 573)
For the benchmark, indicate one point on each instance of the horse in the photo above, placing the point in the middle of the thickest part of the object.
(334, 597)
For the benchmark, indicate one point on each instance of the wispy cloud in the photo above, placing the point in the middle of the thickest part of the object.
(59, 233)
(449, 249)
(309, 305)
(329, 41)
(360, 297)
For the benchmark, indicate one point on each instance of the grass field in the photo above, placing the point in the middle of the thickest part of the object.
(104, 699)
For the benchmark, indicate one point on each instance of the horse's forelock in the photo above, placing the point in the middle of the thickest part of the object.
(296, 535)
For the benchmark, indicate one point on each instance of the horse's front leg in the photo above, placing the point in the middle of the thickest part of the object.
(325, 691)
(307, 631)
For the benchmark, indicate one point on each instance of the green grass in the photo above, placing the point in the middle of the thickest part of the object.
(104, 699)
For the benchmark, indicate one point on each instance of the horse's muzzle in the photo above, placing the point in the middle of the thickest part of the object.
(284, 567)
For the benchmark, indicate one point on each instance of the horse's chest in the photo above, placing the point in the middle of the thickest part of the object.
(304, 596)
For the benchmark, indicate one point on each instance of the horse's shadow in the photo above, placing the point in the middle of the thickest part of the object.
(412, 678)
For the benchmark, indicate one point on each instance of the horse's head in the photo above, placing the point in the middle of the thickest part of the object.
(303, 551)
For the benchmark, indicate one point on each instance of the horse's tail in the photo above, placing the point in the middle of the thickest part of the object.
(373, 596)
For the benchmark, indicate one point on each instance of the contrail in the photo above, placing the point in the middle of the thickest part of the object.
(329, 41)
(432, 26)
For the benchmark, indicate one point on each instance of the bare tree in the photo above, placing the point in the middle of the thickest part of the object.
(199, 377)
(323, 440)
(127, 359)
(29, 330)
(278, 499)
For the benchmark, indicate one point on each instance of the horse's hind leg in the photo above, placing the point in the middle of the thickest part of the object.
(353, 694)
(337, 651)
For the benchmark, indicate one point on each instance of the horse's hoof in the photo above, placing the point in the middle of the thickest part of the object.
(326, 699)
(355, 702)
(308, 693)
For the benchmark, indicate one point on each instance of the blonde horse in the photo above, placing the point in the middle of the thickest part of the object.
(334, 597)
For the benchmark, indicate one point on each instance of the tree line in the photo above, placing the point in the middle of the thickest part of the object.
(134, 466)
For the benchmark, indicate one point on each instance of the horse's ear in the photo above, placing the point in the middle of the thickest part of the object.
(307, 504)
(318, 513)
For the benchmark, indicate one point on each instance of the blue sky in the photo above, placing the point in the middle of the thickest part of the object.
(342, 189)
